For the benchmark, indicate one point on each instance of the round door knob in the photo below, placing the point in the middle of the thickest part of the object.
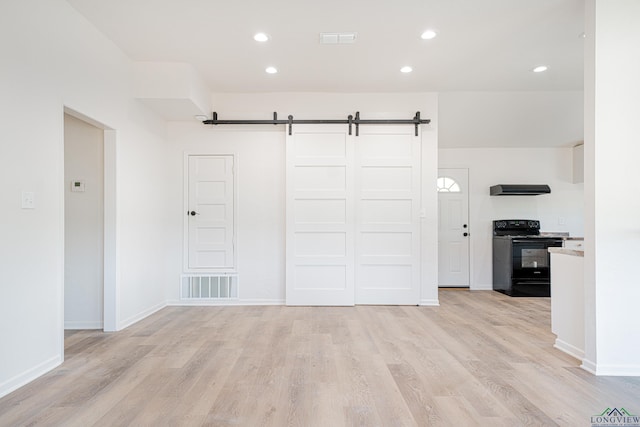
(193, 213)
(465, 234)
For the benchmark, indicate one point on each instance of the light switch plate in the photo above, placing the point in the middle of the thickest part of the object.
(28, 200)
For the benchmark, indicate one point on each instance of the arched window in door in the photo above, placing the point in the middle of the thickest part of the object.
(447, 185)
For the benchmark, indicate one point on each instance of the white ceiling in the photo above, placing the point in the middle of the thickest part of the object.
(482, 45)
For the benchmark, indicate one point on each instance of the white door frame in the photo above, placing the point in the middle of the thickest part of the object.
(111, 310)
(111, 306)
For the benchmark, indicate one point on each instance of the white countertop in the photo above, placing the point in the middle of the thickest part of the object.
(565, 251)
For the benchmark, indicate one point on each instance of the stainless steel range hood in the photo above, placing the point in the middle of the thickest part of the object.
(519, 190)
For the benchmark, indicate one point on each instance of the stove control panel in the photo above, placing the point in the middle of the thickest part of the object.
(516, 226)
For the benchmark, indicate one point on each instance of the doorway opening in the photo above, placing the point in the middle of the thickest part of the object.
(90, 292)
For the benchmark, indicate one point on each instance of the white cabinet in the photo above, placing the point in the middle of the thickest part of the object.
(576, 244)
(567, 300)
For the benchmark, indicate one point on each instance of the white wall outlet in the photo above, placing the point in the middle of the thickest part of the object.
(28, 200)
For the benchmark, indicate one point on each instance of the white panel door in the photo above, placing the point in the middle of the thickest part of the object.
(319, 216)
(387, 216)
(210, 213)
(453, 228)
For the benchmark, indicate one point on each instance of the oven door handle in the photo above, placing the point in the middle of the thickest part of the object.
(545, 241)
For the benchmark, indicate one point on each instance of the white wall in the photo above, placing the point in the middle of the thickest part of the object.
(83, 225)
(260, 154)
(53, 58)
(260, 204)
(174, 90)
(491, 166)
(612, 187)
(511, 119)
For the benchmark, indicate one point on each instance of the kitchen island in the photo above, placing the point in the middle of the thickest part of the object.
(567, 299)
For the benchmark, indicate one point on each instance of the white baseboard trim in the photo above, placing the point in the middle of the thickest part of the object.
(611, 370)
(588, 366)
(222, 302)
(76, 325)
(481, 288)
(617, 370)
(29, 375)
(138, 317)
(430, 302)
(571, 350)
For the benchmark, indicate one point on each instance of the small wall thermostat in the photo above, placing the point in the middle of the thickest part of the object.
(77, 186)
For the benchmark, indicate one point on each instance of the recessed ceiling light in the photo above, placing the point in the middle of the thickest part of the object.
(271, 70)
(540, 69)
(428, 35)
(406, 69)
(261, 37)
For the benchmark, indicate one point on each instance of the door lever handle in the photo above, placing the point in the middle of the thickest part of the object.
(193, 213)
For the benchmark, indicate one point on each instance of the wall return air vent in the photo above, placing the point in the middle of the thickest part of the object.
(519, 190)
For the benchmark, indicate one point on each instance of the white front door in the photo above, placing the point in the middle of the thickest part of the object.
(210, 224)
(453, 228)
(319, 216)
(387, 216)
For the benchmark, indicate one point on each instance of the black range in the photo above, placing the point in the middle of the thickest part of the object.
(521, 258)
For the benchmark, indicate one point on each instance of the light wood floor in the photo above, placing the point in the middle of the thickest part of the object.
(481, 358)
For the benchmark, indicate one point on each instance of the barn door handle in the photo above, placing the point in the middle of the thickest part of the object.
(193, 213)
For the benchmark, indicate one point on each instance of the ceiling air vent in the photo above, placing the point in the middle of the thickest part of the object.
(519, 190)
(337, 38)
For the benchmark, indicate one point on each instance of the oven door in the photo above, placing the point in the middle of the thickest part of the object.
(531, 258)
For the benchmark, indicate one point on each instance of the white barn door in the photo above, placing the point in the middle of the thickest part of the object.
(353, 216)
(387, 216)
(210, 229)
(319, 216)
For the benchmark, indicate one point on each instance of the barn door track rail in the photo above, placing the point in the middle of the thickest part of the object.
(351, 121)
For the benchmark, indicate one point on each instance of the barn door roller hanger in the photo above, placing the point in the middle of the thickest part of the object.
(351, 121)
